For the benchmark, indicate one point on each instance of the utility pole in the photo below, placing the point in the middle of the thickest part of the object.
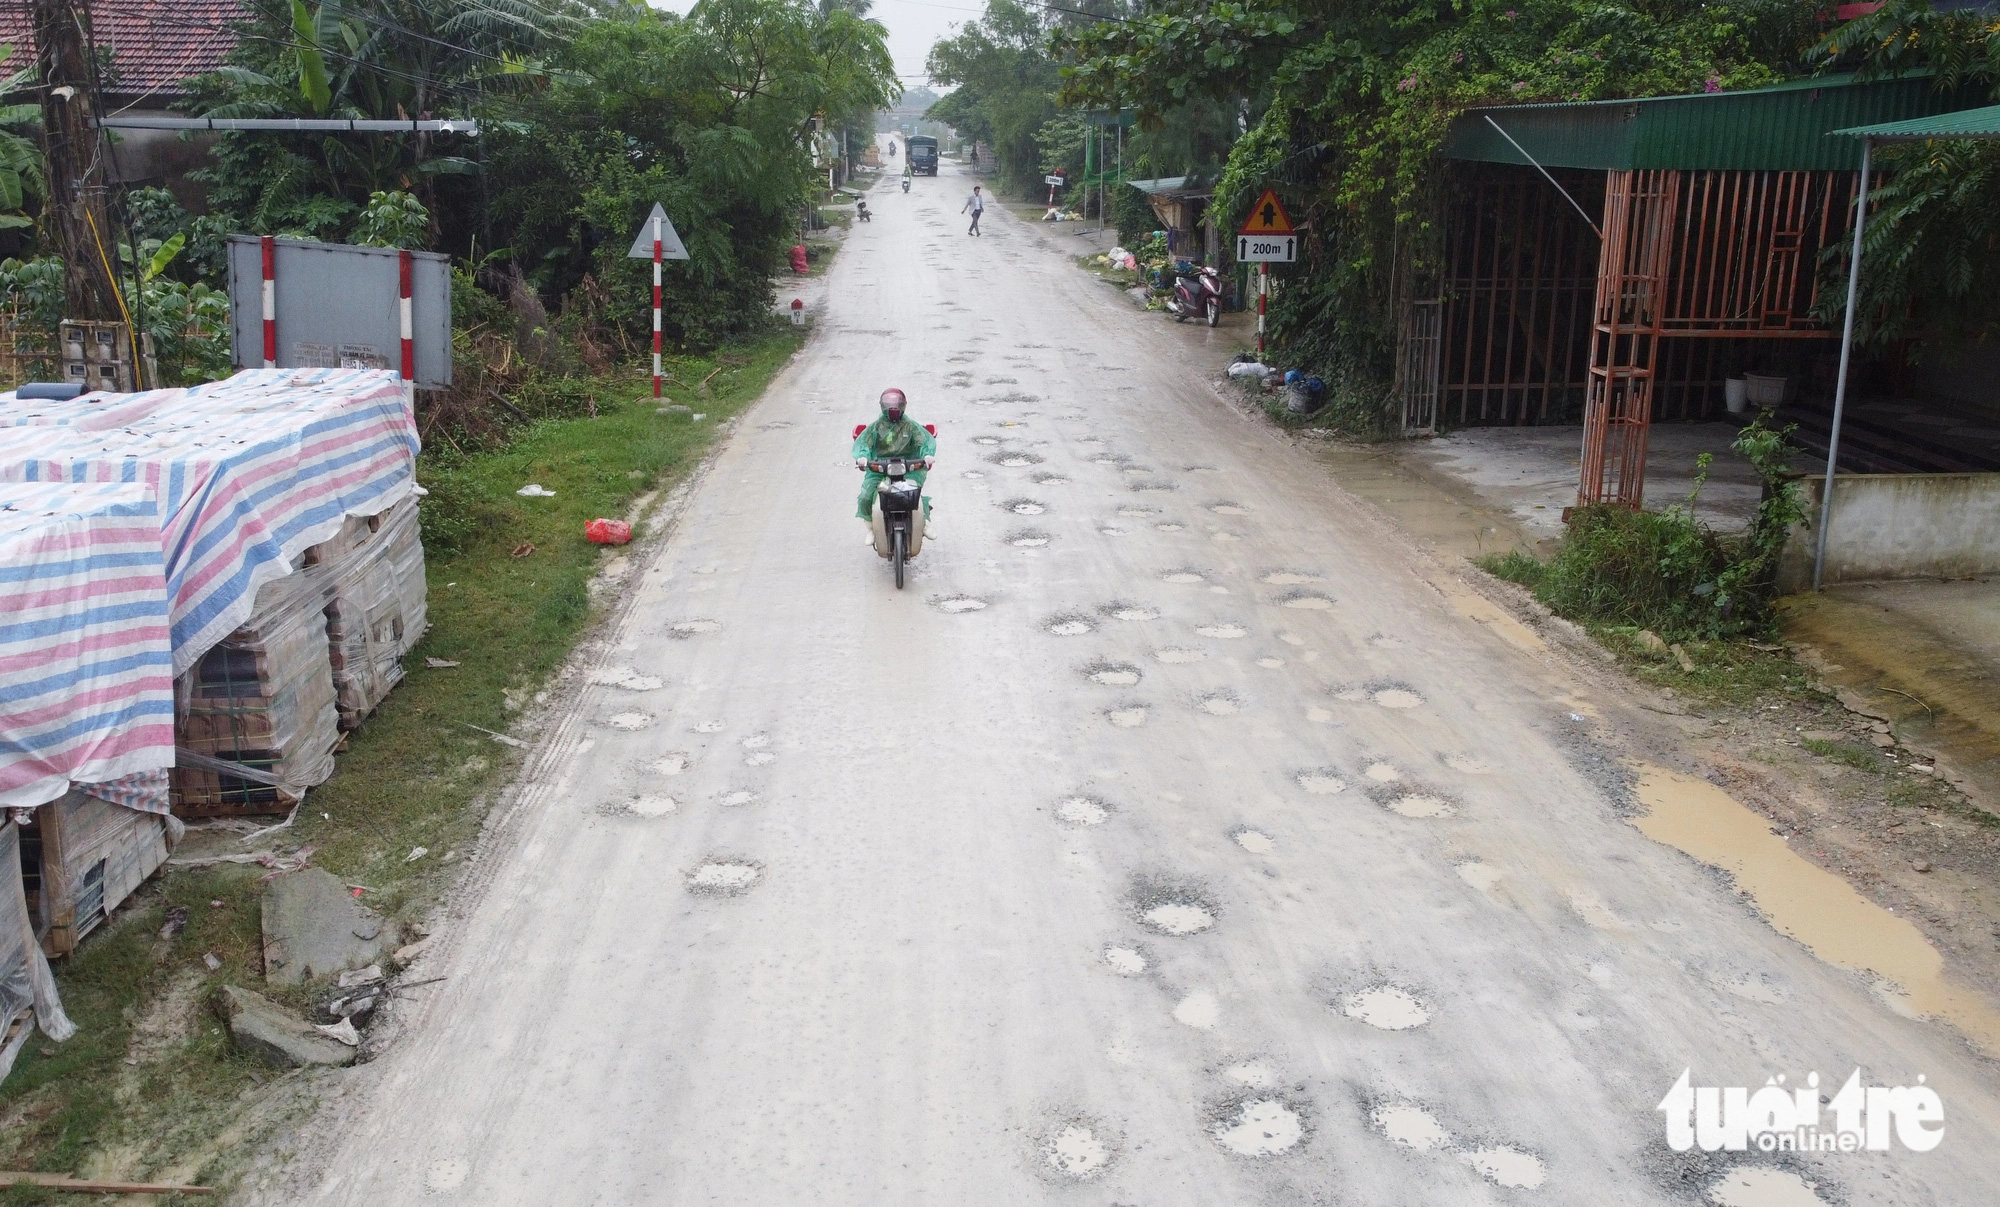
(75, 170)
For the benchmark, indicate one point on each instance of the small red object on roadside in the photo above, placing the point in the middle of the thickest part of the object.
(607, 532)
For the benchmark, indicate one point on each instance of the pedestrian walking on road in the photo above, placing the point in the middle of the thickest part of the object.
(976, 204)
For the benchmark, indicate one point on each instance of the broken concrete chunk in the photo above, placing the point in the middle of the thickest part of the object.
(270, 1032)
(361, 976)
(406, 954)
(342, 1032)
(314, 928)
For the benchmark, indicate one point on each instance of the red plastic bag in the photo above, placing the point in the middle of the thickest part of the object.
(799, 265)
(607, 532)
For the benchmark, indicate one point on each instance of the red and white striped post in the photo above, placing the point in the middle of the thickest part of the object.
(1263, 291)
(270, 291)
(407, 321)
(656, 307)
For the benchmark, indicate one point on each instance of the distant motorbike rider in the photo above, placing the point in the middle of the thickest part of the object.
(893, 435)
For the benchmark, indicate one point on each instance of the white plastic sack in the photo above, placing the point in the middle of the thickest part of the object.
(1249, 368)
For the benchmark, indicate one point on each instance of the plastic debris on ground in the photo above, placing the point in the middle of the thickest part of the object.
(607, 532)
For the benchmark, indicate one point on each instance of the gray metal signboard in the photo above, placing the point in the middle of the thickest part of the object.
(337, 305)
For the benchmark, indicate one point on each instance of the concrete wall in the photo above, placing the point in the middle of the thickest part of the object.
(1889, 526)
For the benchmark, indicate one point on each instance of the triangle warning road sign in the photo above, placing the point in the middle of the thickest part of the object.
(670, 240)
(1267, 217)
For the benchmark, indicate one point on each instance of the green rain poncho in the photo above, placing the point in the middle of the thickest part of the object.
(881, 440)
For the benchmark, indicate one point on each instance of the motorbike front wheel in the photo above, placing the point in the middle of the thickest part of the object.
(896, 545)
(1214, 312)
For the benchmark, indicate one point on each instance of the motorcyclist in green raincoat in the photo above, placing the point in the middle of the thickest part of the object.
(895, 434)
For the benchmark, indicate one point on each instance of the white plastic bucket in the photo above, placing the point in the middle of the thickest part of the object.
(1736, 395)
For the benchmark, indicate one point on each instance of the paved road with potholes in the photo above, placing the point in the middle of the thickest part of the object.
(1180, 835)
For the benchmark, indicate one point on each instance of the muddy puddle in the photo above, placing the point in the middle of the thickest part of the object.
(1808, 903)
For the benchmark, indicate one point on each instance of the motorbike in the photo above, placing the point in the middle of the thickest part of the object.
(906, 184)
(1197, 293)
(899, 510)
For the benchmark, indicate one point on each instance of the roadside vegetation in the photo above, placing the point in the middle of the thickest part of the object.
(592, 112)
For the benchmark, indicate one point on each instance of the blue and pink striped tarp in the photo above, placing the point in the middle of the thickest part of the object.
(86, 671)
(247, 472)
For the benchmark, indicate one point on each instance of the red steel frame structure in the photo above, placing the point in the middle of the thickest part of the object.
(1694, 255)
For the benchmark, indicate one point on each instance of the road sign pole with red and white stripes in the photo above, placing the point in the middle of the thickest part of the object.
(270, 291)
(406, 320)
(656, 307)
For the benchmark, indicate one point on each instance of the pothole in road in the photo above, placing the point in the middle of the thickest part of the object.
(736, 799)
(1305, 601)
(1076, 1152)
(1467, 763)
(1003, 381)
(1222, 632)
(1199, 1010)
(1482, 876)
(1082, 811)
(1113, 530)
(1138, 513)
(652, 806)
(1169, 527)
(709, 727)
(629, 721)
(989, 441)
(624, 677)
(759, 758)
(689, 628)
(1067, 624)
(974, 474)
(1129, 611)
(1109, 459)
(1051, 480)
(1382, 773)
(1171, 907)
(1254, 841)
(1136, 470)
(1320, 781)
(1125, 961)
(1411, 1126)
(1509, 1167)
(1253, 1073)
(1258, 1127)
(1270, 664)
(1112, 674)
(1290, 578)
(757, 741)
(1183, 575)
(1394, 695)
(1024, 507)
(724, 876)
(958, 603)
(1229, 509)
(1028, 538)
(1415, 803)
(1152, 487)
(1387, 1007)
(674, 763)
(1017, 460)
(1175, 655)
(1761, 1186)
(1130, 716)
(1220, 704)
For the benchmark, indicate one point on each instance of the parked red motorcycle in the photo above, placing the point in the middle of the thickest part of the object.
(1197, 293)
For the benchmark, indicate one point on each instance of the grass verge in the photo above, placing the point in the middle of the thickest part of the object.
(150, 1080)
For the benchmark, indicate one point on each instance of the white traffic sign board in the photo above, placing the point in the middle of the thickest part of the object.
(670, 239)
(1272, 249)
(1056, 180)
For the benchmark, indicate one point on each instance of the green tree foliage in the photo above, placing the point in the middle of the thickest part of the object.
(1350, 101)
(709, 115)
(1004, 87)
(20, 154)
(1931, 254)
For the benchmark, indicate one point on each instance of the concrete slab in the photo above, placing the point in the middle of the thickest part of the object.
(274, 1034)
(1531, 472)
(314, 928)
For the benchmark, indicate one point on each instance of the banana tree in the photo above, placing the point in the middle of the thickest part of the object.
(20, 153)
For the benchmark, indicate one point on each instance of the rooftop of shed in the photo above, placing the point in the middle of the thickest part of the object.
(1779, 127)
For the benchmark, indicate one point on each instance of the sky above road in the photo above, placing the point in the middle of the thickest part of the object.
(913, 25)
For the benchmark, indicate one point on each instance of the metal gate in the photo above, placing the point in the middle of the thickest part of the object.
(1422, 344)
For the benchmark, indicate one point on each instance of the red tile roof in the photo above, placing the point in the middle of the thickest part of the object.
(154, 44)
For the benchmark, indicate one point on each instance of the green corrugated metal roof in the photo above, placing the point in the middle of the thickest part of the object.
(1966, 123)
(1779, 127)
